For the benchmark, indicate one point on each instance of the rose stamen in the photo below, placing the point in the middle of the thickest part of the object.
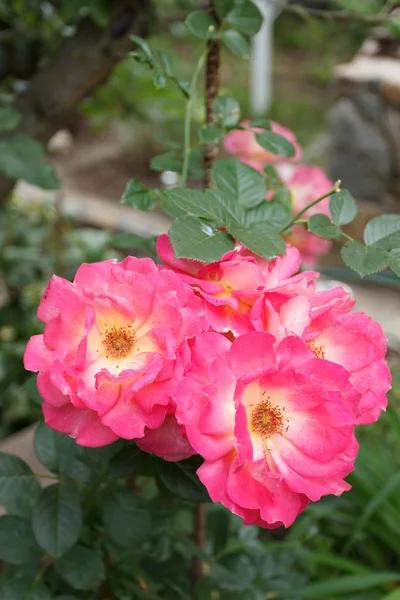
(119, 343)
(319, 351)
(267, 420)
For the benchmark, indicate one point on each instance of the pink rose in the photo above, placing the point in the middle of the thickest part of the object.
(231, 286)
(243, 144)
(351, 339)
(274, 423)
(169, 441)
(114, 346)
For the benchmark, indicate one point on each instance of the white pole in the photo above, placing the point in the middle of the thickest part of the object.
(261, 61)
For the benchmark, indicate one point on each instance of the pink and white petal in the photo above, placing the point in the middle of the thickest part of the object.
(252, 355)
(168, 441)
(94, 276)
(82, 425)
(49, 392)
(37, 357)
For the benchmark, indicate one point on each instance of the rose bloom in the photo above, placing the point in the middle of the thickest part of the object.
(242, 143)
(351, 339)
(274, 423)
(115, 344)
(231, 286)
(306, 183)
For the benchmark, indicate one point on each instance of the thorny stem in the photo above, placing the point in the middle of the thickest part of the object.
(188, 118)
(336, 188)
(211, 92)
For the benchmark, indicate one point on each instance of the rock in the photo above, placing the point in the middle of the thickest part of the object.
(359, 153)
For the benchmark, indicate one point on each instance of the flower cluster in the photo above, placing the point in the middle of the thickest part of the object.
(242, 362)
(306, 183)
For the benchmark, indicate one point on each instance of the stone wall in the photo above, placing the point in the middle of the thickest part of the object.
(365, 123)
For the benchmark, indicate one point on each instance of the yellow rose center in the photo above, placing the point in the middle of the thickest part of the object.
(319, 351)
(119, 342)
(267, 420)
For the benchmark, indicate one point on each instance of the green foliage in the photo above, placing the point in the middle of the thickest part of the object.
(322, 225)
(22, 157)
(245, 17)
(226, 111)
(236, 43)
(137, 196)
(343, 208)
(9, 118)
(199, 239)
(57, 518)
(275, 143)
(240, 181)
(363, 259)
(200, 23)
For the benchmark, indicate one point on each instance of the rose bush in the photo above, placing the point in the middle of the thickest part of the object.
(241, 361)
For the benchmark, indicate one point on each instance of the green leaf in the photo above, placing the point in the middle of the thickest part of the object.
(9, 118)
(322, 225)
(395, 595)
(144, 47)
(343, 207)
(199, 239)
(361, 6)
(245, 184)
(17, 542)
(226, 110)
(129, 240)
(82, 568)
(169, 161)
(180, 479)
(218, 522)
(57, 518)
(24, 588)
(159, 79)
(245, 18)
(339, 586)
(211, 205)
(200, 23)
(269, 211)
(261, 238)
(236, 43)
(16, 478)
(364, 260)
(210, 134)
(273, 180)
(235, 575)
(223, 7)
(126, 520)
(31, 390)
(22, 157)
(57, 451)
(130, 461)
(261, 123)
(166, 62)
(138, 196)
(99, 10)
(275, 143)
(383, 232)
(394, 261)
